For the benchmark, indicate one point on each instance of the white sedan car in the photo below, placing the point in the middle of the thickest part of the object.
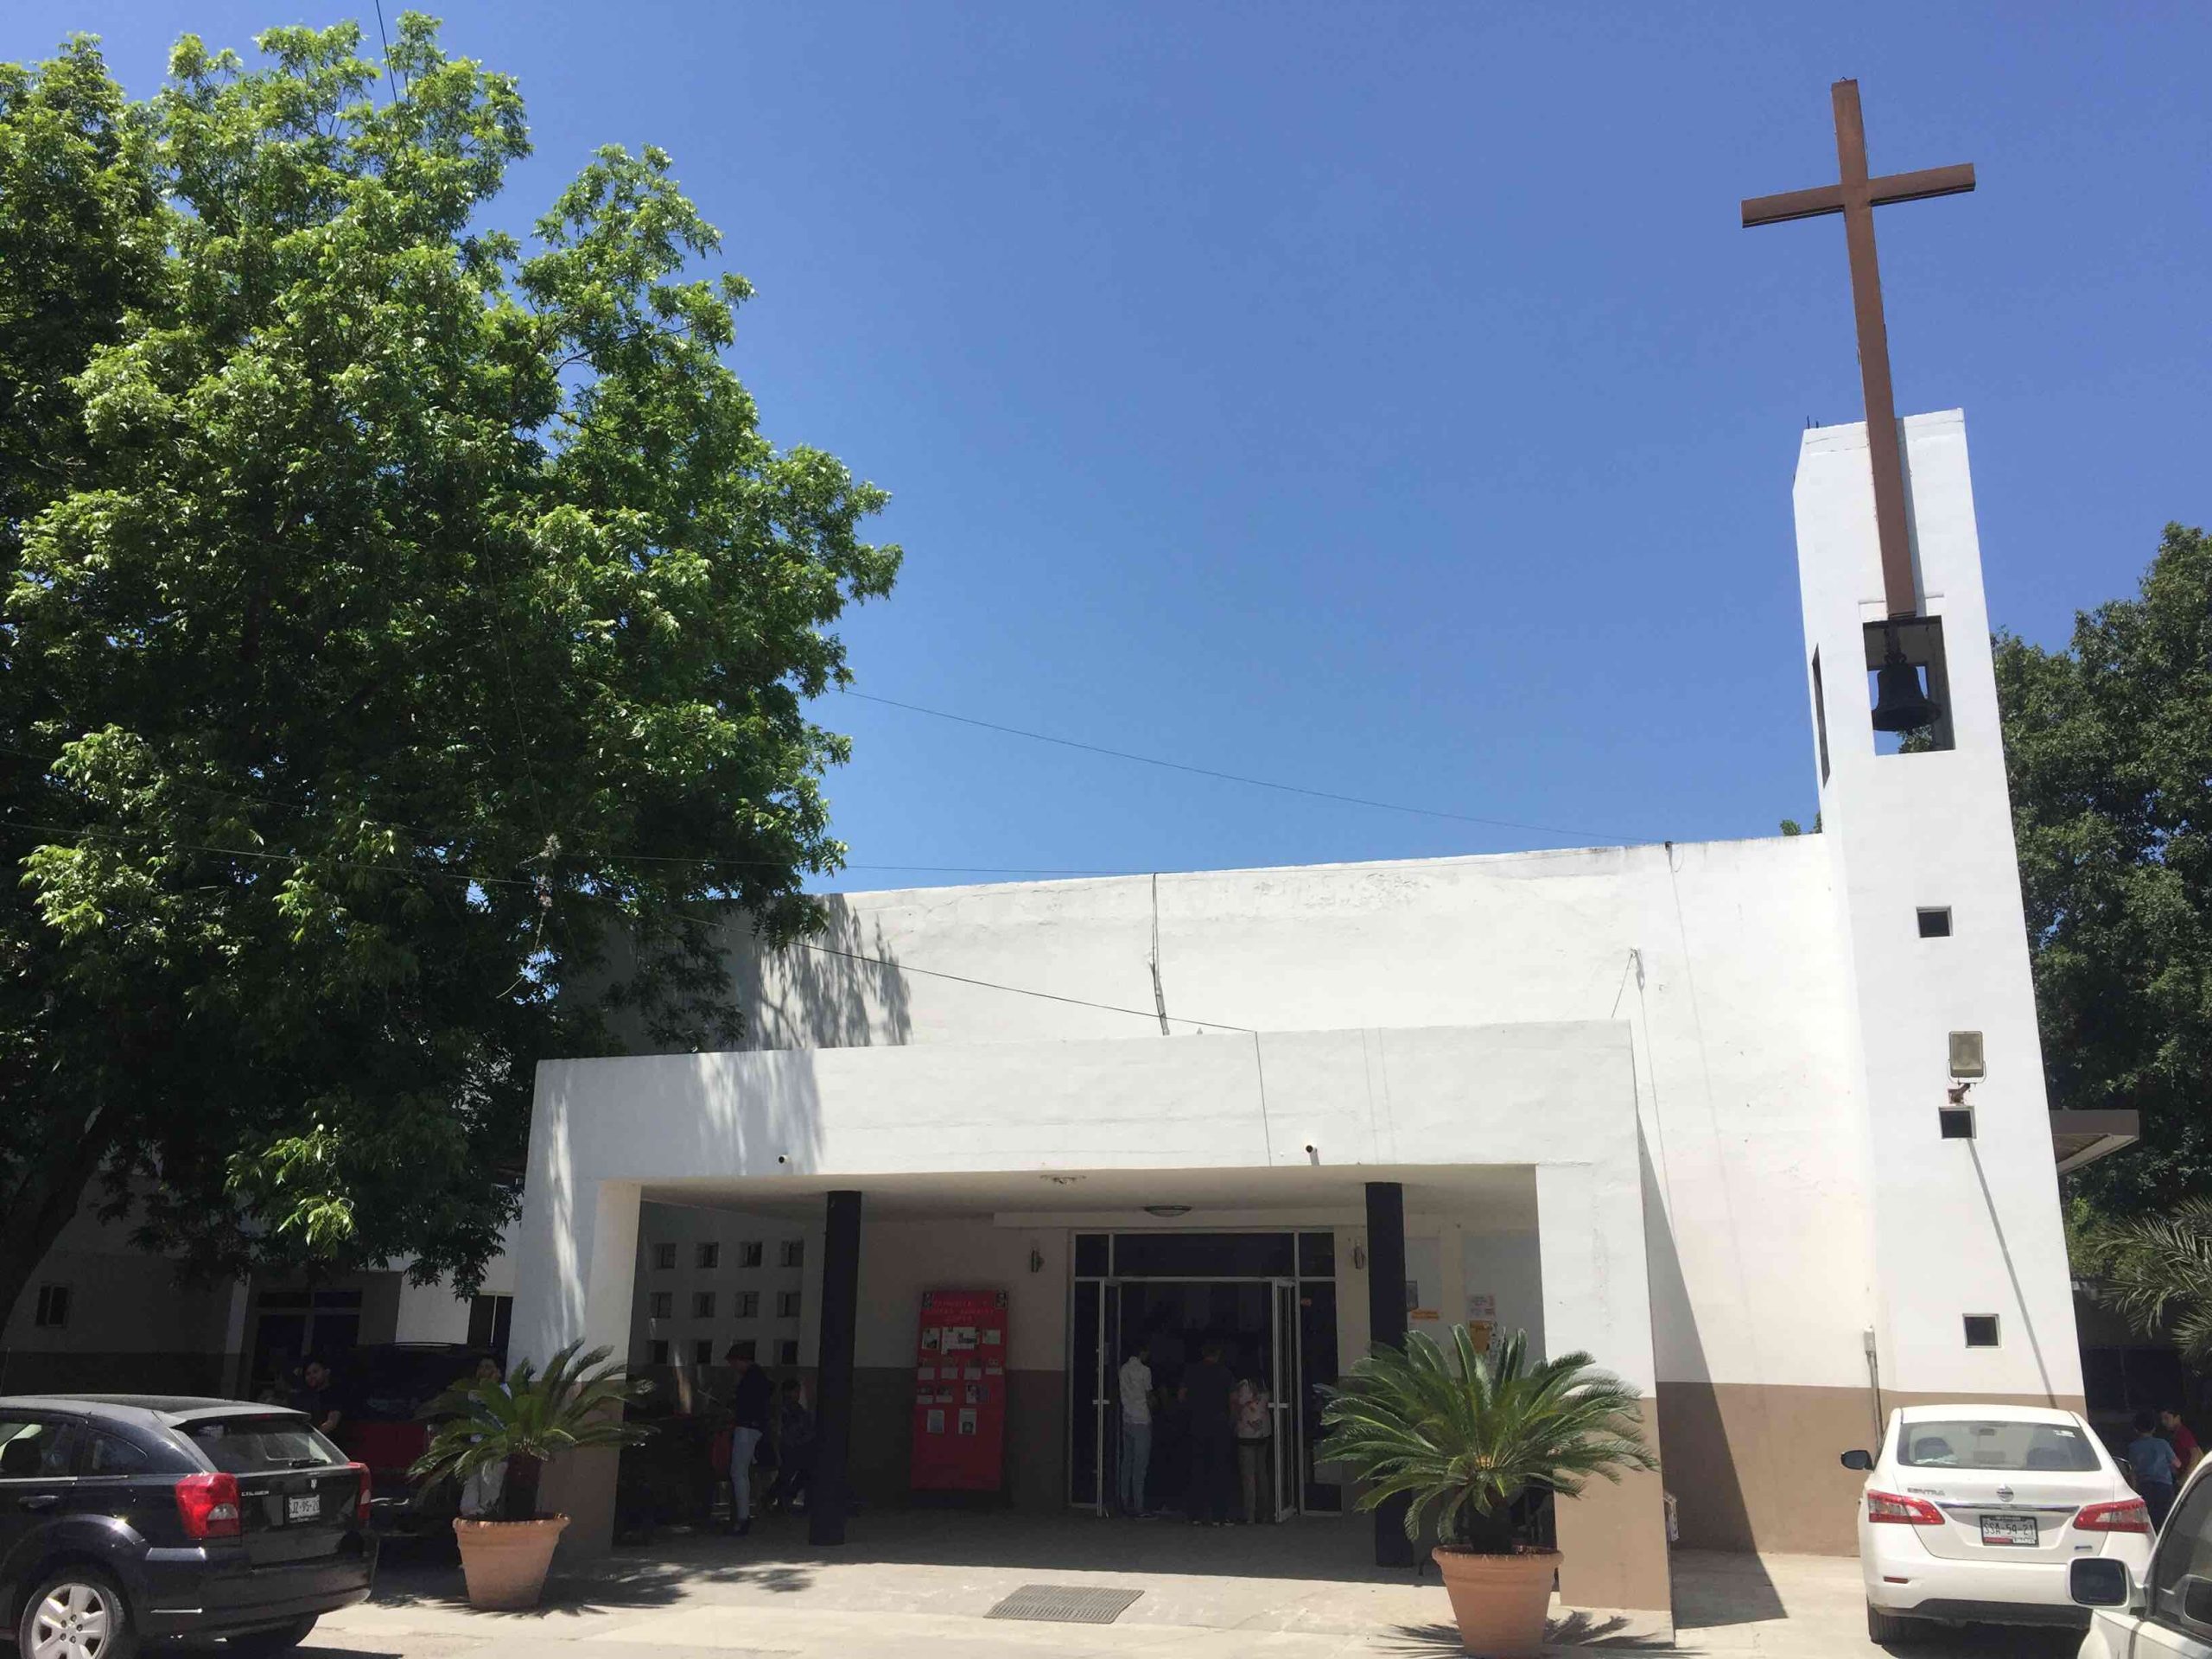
(2168, 1614)
(1974, 1513)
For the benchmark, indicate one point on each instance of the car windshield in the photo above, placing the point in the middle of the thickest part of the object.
(1994, 1444)
(253, 1446)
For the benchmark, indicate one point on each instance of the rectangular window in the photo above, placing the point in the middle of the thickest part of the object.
(656, 1352)
(663, 1257)
(1316, 1255)
(1981, 1330)
(661, 1305)
(787, 1351)
(709, 1256)
(703, 1304)
(53, 1306)
(1821, 716)
(703, 1352)
(794, 1252)
(745, 1348)
(787, 1304)
(750, 1253)
(1090, 1255)
(746, 1304)
(1936, 924)
(491, 1318)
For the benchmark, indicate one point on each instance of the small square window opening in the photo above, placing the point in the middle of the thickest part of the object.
(787, 1304)
(710, 1255)
(750, 1253)
(1981, 1330)
(703, 1304)
(702, 1351)
(787, 1351)
(1936, 924)
(747, 1304)
(1956, 1121)
(661, 1305)
(744, 1348)
(663, 1257)
(794, 1252)
(656, 1352)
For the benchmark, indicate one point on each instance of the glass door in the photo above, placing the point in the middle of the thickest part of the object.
(1282, 1393)
(1087, 1487)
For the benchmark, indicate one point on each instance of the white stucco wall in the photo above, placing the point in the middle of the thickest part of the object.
(1720, 958)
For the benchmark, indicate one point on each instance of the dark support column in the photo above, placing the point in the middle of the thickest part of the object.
(1386, 1327)
(828, 1498)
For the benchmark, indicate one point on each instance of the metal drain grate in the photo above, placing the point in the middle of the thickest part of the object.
(1065, 1603)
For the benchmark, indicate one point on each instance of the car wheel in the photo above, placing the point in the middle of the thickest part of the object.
(1889, 1629)
(77, 1613)
(282, 1639)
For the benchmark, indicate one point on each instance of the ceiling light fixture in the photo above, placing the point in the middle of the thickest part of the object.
(1168, 1211)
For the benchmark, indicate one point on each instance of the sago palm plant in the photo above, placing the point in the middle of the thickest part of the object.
(527, 1420)
(1464, 1435)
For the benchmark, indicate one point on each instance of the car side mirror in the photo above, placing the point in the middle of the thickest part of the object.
(2100, 1581)
(1859, 1460)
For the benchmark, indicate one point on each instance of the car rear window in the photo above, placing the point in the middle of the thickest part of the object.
(1996, 1444)
(253, 1446)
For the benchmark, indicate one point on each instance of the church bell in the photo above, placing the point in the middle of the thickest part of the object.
(1900, 703)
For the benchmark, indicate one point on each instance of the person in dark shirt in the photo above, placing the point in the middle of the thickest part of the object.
(794, 1449)
(755, 1395)
(1207, 1389)
(318, 1396)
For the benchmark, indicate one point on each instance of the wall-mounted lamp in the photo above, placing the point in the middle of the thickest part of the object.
(1359, 1258)
(1168, 1211)
(1036, 1260)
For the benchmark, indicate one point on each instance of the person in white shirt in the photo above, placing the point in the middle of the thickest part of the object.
(1136, 1430)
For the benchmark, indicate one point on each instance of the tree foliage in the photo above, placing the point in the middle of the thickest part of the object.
(2109, 744)
(1464, 1435)
(392, 612)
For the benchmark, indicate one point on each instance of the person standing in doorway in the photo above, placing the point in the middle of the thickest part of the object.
(1206, 1390)
(317, 1395)
(755, 1398)
(486, 1487)
(1136, 1431)
(794, 1450)
(2187, 1451)
(2152, 1462)
(1254, 1420)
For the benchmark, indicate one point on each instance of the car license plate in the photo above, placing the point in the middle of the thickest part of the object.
(2009, 1530)
(306, 1509)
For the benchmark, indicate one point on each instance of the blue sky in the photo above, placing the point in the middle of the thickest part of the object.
(1380, 398)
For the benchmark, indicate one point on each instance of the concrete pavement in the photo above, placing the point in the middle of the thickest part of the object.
(923, 1583)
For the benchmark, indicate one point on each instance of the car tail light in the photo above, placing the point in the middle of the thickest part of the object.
(1902, 1511)
(361, 1505)
(2122, 1515)
(208, 1505)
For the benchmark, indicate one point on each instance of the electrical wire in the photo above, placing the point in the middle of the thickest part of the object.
(1255, 783)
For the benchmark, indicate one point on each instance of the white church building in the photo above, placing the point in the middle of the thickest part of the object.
(1760, 1125)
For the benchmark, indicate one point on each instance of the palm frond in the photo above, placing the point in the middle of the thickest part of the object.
(576, 1401)
(1462, 1435)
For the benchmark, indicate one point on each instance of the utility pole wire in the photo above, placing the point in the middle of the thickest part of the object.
(1255, 783)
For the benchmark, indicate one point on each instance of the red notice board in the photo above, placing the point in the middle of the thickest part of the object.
(960, 1392)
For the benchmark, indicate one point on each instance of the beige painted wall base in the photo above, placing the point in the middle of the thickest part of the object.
(1614, 1540)
(1753, 1466)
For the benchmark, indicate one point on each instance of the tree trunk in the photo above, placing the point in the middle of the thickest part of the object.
(45, 1200)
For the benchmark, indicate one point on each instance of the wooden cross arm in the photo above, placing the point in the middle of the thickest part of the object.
(1829, 198)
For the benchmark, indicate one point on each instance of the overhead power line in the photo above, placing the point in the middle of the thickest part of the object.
(1255, 783)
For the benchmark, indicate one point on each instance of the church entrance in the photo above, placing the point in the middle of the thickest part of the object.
(1270, 1299)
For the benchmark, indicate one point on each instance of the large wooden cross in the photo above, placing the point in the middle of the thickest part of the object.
(1855, 197)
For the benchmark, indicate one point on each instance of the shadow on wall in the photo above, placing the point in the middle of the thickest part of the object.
(824, 992)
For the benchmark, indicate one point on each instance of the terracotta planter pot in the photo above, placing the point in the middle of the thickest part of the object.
(505, 1561)
(1499, 1600)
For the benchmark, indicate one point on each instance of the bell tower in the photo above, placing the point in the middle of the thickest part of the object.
(1971, 1294)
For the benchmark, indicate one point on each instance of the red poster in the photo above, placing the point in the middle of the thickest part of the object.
(960, 1392)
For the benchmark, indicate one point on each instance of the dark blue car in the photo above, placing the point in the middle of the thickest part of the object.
(127, 1517)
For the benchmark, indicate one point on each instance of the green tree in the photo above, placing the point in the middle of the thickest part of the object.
(2108, 745)
(395, 614)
